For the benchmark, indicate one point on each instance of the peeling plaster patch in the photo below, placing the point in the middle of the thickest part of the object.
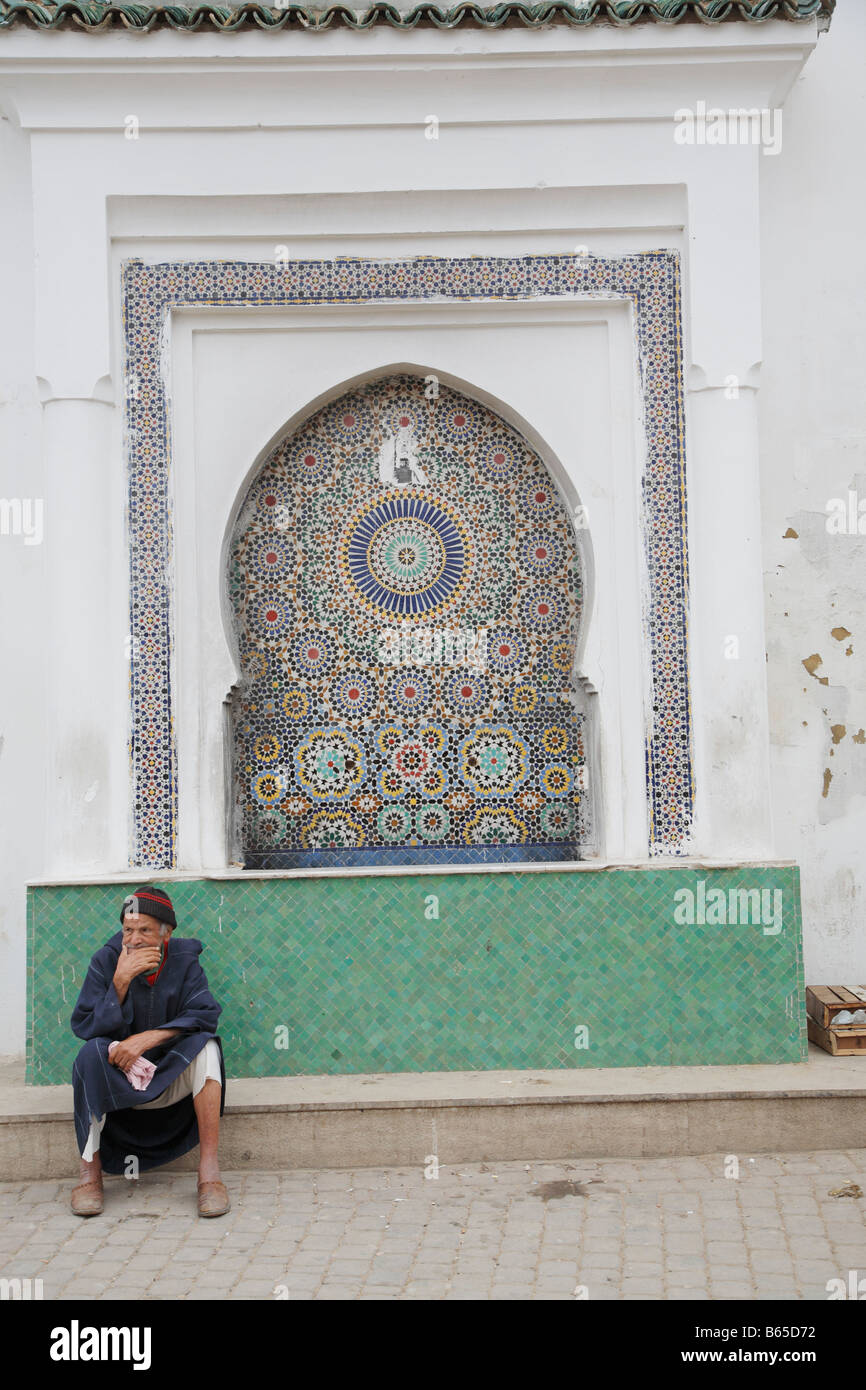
(811, 664)
(91, 791)
(821, 592)
(820, 547)
(791, 535)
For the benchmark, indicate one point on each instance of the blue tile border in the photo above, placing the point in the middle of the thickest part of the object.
(651, 280)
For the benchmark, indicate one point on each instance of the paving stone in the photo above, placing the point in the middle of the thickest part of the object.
(771, 1262)
(672, 1228)
(686, 1278)
(815, 1269)
(675, 1259)
(632, 1286)
(642, 1269)
(726, 1251)
(687, 1243)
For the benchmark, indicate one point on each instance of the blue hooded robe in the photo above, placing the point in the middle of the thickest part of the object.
(179, 998)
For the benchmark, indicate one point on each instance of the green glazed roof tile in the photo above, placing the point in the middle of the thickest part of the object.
(97, 16)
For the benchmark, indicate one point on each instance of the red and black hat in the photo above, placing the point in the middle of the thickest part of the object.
(150, 902)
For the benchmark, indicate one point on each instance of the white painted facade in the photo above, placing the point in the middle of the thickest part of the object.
(547, 141)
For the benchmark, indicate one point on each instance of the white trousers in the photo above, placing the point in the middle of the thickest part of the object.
(205, 1066)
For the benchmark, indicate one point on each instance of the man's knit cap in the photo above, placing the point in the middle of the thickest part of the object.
(150, 902)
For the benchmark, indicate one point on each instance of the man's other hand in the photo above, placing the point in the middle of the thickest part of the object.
(130, 1049)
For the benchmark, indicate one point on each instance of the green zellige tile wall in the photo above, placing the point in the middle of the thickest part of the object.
(366, 977)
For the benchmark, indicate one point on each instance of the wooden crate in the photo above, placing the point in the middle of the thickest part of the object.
(823, 1003)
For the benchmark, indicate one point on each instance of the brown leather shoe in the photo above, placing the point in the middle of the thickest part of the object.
(86, 1199)
(213, 1199)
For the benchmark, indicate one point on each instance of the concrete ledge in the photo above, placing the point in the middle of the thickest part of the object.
(470, 1117)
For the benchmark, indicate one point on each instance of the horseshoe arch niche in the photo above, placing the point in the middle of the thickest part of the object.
(407, 591)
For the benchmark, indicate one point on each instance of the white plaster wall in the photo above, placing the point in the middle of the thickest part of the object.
(23, 668)
(812, 407)
(548, 141)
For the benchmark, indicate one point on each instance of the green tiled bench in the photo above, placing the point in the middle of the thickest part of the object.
(459, 971)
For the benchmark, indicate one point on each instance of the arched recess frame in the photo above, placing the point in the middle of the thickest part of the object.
(650, 280)
(415, 382)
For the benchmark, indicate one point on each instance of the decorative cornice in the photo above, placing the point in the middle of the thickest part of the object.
(97, 16)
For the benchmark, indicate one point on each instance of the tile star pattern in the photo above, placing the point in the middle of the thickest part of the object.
(650, 280)
(358, 738)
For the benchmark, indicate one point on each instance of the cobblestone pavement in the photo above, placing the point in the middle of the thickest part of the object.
(648, 1228)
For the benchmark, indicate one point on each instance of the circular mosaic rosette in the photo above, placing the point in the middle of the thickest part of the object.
(509, 654)
(270, 828)
(459, 422)
(274, 502)
(541, 553)
(406, 412)
(409, 694)
(354, 696)
(499, 458)
(296, 705)
(331, 830)
(499, 827)
(268, 788)
(329, 763)
(412, 762)
(543, 611)
(405, 556)
(493, 761)
(523, 698)
(432, 822)
(254, 665)
(388, 740)
(394, 823)
(556, 780)
(538, 500)
(313, 653)
(266, 748)
(310, 464)
(269, 617)
(557, 822)
(267, 560)
(467, 693)
(562, 657)
(554, 739)
(433, 738)
(347, 422)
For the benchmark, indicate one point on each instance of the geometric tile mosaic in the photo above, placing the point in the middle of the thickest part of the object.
(650, 280)
(406, 591)
(460, 971)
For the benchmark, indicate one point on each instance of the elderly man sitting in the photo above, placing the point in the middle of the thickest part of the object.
(145, 996)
